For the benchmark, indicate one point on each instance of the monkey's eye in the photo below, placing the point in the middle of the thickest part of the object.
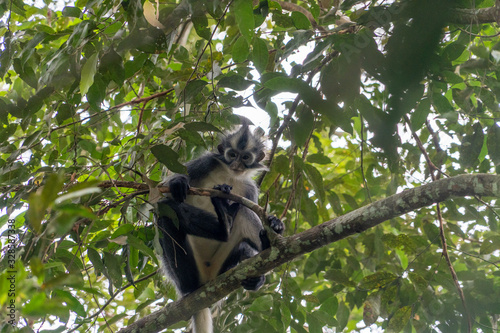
(245, 157)
(231, 154)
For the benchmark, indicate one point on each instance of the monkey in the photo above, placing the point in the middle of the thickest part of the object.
(203, 237)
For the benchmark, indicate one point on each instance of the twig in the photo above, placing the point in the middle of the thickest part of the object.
(452, 270)
(116, 293)
(432, 166)
(365, 182)
(444, 246)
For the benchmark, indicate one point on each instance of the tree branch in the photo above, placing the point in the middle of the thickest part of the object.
(475, 16)
(192, 191)
(334, 230)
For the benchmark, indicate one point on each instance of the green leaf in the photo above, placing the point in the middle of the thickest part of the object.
(272, 111)
(342, 316)
(234, 81)
(191, 137)
(40, 202)
(301, 130)
(441, 104)
(330, 305)
(96, 260)
(97, 92)
(453, 51)
(260, 55)
(181, 54)
(371, 309)
(243, 12)
(192, 90)
(139, 245)
(36, 102)
(300, 21)
(200, 23)
(64, 279)
(471, 146)
(490, 244)
(88, 72)
(199, 126)
(400, 319)
(318, 159)
(493, 144)
(316, 180)
(71, 301)
(419, 116)
(113, 267)
(122, 230)
(324, 318)
(112, 64)
(432, 232)
(308, 94)
(377, 280)
(168, 157)
(241, 50)
(262, 303)
(64, 111)
(69, 11)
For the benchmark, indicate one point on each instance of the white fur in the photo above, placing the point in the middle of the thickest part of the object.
(202, 321)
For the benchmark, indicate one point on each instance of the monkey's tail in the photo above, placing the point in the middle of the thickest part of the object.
(202, 321)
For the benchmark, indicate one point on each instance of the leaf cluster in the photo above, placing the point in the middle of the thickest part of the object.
(364, 99)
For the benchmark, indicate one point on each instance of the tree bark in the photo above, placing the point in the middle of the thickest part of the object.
(476, 16)
(288, 248)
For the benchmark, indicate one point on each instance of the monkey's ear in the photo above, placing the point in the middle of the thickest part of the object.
(261, 156)
(220, 148)
(258, 132)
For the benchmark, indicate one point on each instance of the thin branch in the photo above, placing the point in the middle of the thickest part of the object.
(292, 7)
(365, 182)
(116, 293)
(444, 245)
(432, 166)
(452, 270)
(144, 189)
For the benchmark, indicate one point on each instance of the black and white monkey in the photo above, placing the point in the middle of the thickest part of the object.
(213, 235)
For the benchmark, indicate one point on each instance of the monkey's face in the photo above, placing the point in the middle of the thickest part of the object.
(242, 151)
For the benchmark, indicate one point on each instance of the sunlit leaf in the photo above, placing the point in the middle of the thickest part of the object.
(241, 50)
(400, 319)
(243, 12)
(88, 72)
(471, 146)
(113, 267)
(300, 21)
(168, 157)
(493, 143)
(260, 54)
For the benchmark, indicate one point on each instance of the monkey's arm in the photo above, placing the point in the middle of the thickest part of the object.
(196, 169)
(194, 221)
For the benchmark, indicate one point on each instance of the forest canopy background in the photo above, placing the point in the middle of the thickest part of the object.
(100, 100)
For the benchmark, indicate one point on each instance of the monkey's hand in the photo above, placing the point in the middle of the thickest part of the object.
(179, 186)
(232, 209)
(223, 188)
(276, 224)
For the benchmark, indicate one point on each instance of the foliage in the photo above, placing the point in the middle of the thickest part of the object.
(385, 96)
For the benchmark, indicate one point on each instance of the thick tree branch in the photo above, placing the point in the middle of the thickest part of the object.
(475, 16)
(339, 228)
